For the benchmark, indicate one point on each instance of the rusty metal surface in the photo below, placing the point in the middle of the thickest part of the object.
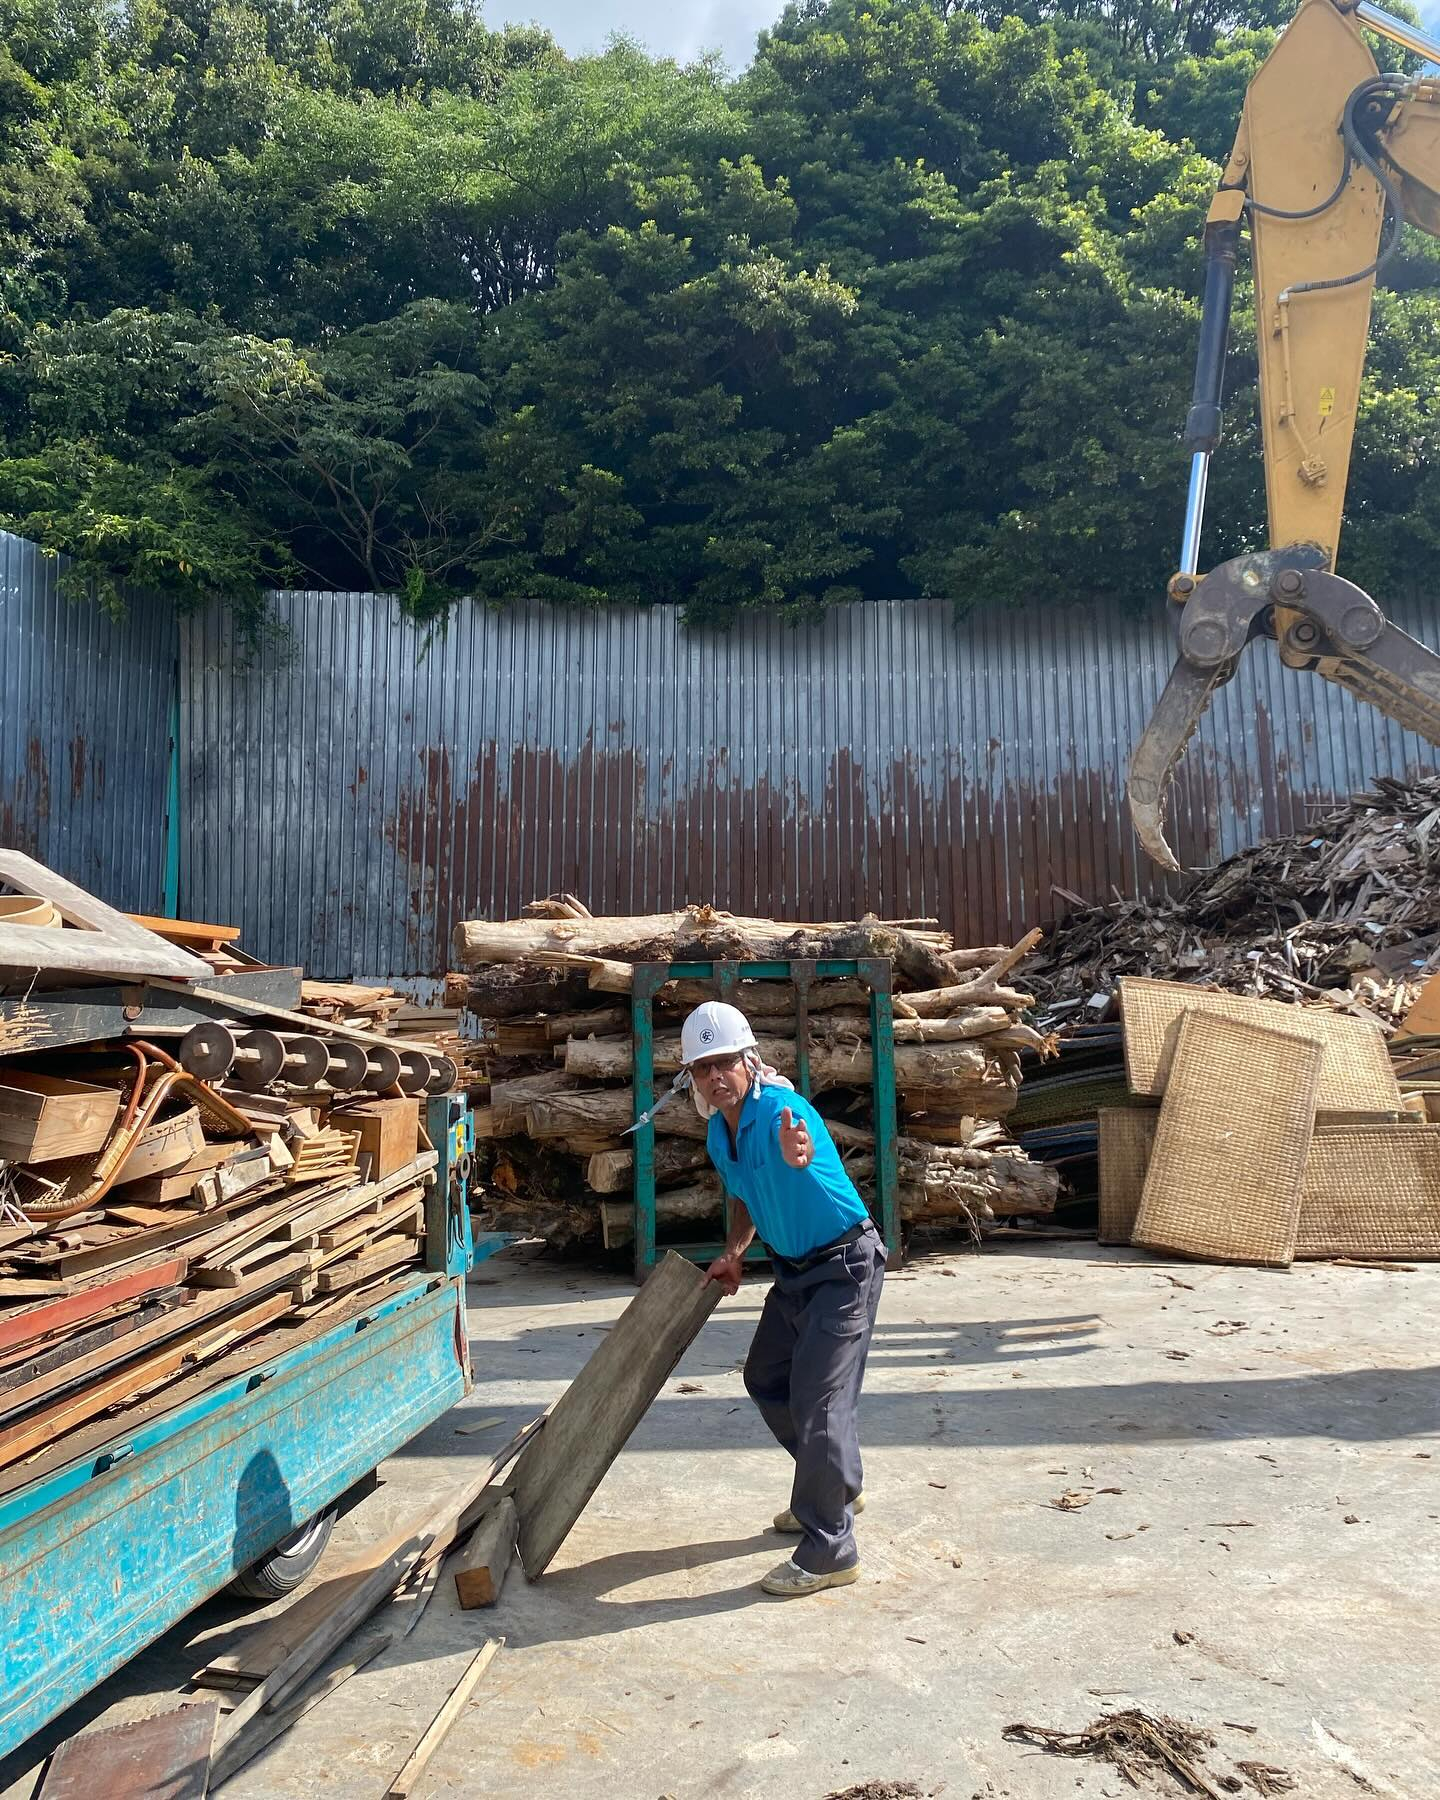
(381, 783)
(360, 786)
(84, 732)
(164, 1757)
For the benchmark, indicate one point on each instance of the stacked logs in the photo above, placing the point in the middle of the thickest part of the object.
(551, 997)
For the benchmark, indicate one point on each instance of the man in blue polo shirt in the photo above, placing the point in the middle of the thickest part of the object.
(788, 1185)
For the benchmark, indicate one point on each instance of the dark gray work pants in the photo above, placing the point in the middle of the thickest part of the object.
(804, 1372)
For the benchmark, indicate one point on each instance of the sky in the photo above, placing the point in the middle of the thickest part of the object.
(680, 28)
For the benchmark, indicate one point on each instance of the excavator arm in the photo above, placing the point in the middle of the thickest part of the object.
(1331, 158)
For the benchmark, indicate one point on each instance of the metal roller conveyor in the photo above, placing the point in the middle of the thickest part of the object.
(382, 1068)
(346, 1065)
(212, 1051)
(415, 1071)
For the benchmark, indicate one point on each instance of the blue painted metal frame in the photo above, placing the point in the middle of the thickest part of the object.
(100, 1557)
(649, 978)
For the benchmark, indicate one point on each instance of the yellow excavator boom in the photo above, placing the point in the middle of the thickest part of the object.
(1330, 158)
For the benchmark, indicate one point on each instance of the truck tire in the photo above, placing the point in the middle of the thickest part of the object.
(283, 1568)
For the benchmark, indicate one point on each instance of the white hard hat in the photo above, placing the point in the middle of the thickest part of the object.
(714, 1029)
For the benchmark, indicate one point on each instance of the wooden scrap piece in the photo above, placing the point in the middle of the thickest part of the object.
(388, 1131)
(29, 1323)
(1226, 1173)
(388, 1253)
(480, 1572)
(247, 1746)
(415, 1764)
(136, 1373)
(43, 1117)
(596, 1414)
(103, 941)
(354, 1595)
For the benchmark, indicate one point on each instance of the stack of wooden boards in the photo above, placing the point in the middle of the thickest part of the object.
(552, 994)
(1280, 1133)
(389, 1013)
(238, 1235)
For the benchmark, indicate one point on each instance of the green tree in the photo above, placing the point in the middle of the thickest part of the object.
(372, 295)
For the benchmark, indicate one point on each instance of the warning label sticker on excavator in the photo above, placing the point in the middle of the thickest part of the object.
(1327, 402)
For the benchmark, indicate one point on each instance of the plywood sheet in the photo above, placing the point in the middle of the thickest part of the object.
(594, 1417)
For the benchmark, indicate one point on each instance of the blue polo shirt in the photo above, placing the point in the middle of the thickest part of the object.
(795, 1211)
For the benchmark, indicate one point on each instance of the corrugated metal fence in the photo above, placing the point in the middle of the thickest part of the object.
(85, 722)
(353, 790)
(352, 794)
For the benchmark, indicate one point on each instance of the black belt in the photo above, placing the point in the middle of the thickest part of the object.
(800, 1264)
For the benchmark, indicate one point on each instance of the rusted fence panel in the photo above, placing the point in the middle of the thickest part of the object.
(362, 785)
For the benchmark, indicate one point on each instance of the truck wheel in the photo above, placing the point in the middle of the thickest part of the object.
(282, 1569)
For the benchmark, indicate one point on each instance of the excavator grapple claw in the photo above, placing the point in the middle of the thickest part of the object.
(1225, 610)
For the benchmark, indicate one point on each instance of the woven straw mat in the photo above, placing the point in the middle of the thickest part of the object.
(1355, 1077)
(1229, 1159)
(1127, 1135)
(1372, 1190)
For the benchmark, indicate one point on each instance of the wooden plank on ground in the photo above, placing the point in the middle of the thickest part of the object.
(596, 1414)
(415, 1764)
(354, 1599)
(480, 1572)
(241, 1750)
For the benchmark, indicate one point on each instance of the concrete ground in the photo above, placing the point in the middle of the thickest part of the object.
(1256, 1455)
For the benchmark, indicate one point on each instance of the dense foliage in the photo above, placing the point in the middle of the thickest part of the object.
(359, 293)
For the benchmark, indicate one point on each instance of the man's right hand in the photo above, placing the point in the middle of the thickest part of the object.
(725, 1270)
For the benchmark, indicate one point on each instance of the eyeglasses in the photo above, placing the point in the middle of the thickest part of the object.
(716, 1064)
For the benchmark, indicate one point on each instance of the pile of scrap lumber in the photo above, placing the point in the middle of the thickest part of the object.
(238, 1216)
(388, 1013)
(1263, 1133)
(551, 994)
(1345, 913)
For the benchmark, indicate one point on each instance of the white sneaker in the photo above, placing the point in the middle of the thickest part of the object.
(790, 1581)
(786, 1521)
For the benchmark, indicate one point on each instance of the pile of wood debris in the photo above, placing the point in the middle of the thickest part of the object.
(389, 1013)
(234, 1216)
(551, 993)
(165, 1211)
(1346, 913)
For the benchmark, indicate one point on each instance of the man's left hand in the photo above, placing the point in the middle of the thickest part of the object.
(796, 1145)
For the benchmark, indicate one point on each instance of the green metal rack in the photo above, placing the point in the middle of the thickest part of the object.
(875, 973)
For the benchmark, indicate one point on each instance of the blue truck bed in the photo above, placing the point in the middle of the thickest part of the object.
(98, 1557)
